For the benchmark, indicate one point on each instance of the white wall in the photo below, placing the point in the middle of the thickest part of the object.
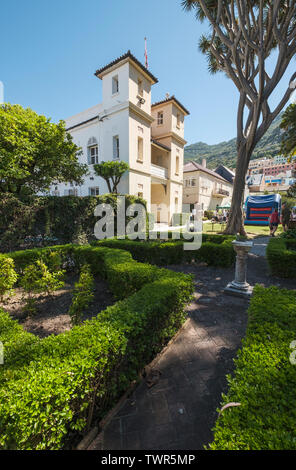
(109, 99)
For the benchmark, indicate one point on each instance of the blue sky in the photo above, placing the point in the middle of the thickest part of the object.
(50, 50)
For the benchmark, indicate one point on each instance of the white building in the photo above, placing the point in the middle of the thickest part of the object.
(127, 127)
(205, 187)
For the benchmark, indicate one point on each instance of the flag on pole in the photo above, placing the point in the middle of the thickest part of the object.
(146, 54)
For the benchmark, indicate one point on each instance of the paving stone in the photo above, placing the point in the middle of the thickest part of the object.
(193, 370)
(158, 437)
(132, 441)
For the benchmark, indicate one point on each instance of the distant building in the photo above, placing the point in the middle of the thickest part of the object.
(226, 173)
(205, 187)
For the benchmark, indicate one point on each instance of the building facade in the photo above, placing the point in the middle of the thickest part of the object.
(205, 187)
(271, 174)
(126, 126)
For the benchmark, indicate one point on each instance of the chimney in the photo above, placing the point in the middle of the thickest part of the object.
(204, 163)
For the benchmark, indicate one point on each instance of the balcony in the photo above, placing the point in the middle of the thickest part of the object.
(219, 192)
(159, 171)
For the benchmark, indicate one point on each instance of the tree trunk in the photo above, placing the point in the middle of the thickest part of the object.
(236, 222)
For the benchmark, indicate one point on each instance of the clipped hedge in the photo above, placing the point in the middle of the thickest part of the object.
(214, 251)
(49, 220)
(281, 257)
(264, 381)
(49, 387)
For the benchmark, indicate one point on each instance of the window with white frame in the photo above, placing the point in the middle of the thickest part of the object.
(115, 147)
(193, 182)
(140, 149)
(178, 120)
(160, 118)
(92, 151)
(94, 191)
(115, 85)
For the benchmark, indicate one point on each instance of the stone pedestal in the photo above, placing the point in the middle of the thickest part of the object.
(239, 286)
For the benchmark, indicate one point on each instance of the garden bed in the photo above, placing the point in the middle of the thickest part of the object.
(265, 379)
(52, 315)
(53, 389)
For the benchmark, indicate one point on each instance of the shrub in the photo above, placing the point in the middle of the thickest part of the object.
(82, 296)
(214, 251)
(290, 234)
(50, 388)
(209, 214)
(37, 279)
(264, 381)
(48, 220)
(8, 276)
(281, 257)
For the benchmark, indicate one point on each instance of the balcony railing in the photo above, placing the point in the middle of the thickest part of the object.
(219, 192)
(159, 171)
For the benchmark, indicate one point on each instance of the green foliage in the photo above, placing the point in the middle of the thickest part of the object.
(215, 250)
(29, 142)
(288, 125)
(111, 172)
(225, 153)
(38, 279)
(42, 221)
(264, 381)
(281, 258)
(289, 234)
(82, 296)
(53, 260)
(8, 276)
(292, 192)
(47, 386)
(209, 214)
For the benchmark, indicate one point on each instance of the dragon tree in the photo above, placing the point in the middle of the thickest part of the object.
(243, 35)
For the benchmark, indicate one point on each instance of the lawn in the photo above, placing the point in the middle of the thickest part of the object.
(252, 230)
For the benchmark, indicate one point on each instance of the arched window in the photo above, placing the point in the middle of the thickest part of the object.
(92, 151)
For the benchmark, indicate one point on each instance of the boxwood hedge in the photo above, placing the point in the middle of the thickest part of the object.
(215, 250)
(281, 257)
(264, 381)
(49, 388)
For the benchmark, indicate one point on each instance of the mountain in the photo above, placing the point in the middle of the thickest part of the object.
(225, 152)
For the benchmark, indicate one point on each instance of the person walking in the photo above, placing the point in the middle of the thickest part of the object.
(285, 216)
(274, 221)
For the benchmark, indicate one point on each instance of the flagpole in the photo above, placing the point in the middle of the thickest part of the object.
(146, 54)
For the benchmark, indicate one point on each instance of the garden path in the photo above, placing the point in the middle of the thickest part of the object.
(180, 410)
